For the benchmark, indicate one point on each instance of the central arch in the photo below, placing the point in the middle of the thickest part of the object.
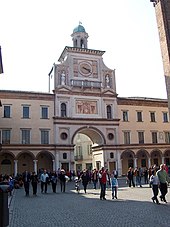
(94, 134)
(85, 139)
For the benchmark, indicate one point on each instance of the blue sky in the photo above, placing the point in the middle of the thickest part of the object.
(34, 33)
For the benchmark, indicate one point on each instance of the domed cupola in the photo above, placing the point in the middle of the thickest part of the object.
(79, 37)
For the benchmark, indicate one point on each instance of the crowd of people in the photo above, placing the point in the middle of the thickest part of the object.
(157, 179)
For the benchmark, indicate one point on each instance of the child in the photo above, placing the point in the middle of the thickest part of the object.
(114, 185)
(154, 182)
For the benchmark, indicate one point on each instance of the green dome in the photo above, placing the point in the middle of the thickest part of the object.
(79, 28)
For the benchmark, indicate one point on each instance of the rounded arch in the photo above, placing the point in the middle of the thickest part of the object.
(45, 161)
(47, 153)
(142, 156)
(156, 157)
(127, 154)
(25, 161)
(27, 152)
(3, 153)
(166, 152)
(127, 158)
(96, 136)
(7, 162)
(142, 153)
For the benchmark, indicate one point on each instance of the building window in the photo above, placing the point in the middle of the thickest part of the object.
(89, 149)
(63, 136)
(44, 136)
(152, 115)
(165, 117)
(167, 137)
(127, 137)
(141, 137)
(25, 136)
(139, 116)
(63, 110)
(125, 116)
(154, 137)
(64, 155)
(44, 112)
(25, 111)
(7, 111)
(109, 112)
(111, 155)
(6, 134)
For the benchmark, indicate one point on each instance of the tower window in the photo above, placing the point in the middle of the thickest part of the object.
(64, 155)
(109, 112)
(63, 110)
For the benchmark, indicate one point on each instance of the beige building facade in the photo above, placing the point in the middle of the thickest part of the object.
(83, 124)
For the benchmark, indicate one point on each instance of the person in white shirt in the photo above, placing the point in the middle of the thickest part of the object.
(154, 182)
(44, 180)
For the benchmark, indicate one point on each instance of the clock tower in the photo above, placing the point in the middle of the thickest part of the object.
(85, 103)
(162, 10)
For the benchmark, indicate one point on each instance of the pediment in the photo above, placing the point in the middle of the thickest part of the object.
(63, 88)
(109, 92)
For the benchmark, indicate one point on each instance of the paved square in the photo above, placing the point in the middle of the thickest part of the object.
(133, 208)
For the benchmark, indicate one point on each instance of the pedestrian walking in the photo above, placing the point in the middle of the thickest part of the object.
(114, 186)
(130, 175)
(44, 181)
(164, 180)
(85, 179)
(34, 182)
(26, 180)
(54, 181)
(154, 182)
(103, 181)
(94, 178)
(62, 178)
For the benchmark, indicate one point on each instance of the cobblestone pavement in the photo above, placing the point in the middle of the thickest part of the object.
(132, 208)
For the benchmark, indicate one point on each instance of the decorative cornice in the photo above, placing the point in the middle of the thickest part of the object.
(79, 50)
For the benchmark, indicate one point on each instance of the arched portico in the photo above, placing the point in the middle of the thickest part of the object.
(24, 161)
(7, 163)
(128, 160)
(156, 157)
(44, 160)
(94, 134)
(142, 158)
(88, 151)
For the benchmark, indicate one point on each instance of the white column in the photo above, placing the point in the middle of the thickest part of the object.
(57, 161)
(15, 167)
(163, 159)
(35, 166)
(149, 162)
(71, 167)
(119, 164)
(135, 162)
(53, 165)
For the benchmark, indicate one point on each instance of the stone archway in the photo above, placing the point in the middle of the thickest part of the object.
(25, 161)
(156, 157)
(44, 161)
(86, 151)
(7, 163)
(142, 158)
(127, 158)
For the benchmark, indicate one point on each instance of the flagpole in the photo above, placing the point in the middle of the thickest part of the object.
(48, 83)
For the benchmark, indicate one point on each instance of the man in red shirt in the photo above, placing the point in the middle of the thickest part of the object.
(103, 180)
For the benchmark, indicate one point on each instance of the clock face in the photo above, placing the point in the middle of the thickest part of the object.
(85, 68)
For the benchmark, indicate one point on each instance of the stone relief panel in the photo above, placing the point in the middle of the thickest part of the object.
(86, 107)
